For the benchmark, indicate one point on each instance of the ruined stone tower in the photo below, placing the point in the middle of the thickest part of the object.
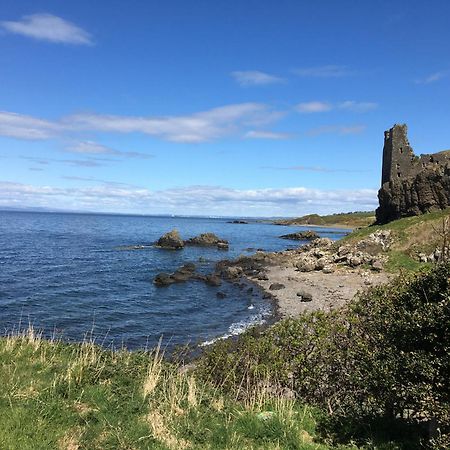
(398, 155)
(411, 185)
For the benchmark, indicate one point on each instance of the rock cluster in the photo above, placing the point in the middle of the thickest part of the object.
(301, 236)
(208, 240)
(185, 273)
(173, 241)
(436, 256)
(322, 255)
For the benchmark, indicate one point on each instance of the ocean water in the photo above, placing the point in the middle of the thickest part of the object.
(71, 275)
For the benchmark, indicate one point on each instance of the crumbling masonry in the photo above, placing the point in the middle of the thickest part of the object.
(410, 184)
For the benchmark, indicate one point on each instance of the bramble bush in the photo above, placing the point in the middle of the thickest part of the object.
(379, 364)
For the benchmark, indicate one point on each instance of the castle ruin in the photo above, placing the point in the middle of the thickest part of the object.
(410, 184)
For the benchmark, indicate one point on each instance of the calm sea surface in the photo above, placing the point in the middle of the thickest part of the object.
(69, 274)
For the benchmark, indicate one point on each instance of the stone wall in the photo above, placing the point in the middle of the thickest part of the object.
(411, 185)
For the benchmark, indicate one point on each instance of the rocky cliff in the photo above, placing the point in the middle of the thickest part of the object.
(427, 191)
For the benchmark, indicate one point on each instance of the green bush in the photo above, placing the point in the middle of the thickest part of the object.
(382, 359)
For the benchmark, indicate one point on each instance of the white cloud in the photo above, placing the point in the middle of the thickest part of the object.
(255, 78)
(348, 105)
(359, 107)
(212, 200)
(198, 127)
(94, 148)
(328, 71)
(433, 77)
(26, 127)
(260, 134)
(48, 27)
(337, 129)
(313, 107)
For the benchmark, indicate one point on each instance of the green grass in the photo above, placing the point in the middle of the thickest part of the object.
(411, 235)
(78, 396)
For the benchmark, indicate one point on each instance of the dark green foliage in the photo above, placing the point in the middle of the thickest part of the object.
(383, 359)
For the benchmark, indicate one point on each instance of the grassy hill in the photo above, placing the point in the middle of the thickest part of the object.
(411, 237)
(347, 220)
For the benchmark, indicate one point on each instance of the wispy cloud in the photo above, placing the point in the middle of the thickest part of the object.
(255, 78)
(94, 148)
(260, 134)
(26, 127)
(92, 162)
(328, 71)
(313, 107)
(47, 27)
(195, 128)
(98, 180)
(337, 129)
(198, 127)
(348, 105)
(433, 77)
(215, 200)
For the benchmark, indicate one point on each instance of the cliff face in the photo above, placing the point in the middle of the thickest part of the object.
(427, 191)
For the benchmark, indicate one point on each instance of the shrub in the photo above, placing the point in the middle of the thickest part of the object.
(383, 358)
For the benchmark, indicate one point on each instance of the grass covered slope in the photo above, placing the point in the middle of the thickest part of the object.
(411, 236)
(347, 220)
(78, 396)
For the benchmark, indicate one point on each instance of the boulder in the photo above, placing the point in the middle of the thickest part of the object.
(206, 240)
(213, 280)
(301, 236)
(276, 286)
(223, 245)
(163, 279)
(307, 264)
(170, 241)
(304, 296)
(221, 294)
(328, 269)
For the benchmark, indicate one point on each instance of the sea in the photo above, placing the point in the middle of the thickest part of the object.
(90, 276)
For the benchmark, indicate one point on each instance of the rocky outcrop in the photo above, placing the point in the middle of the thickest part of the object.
(301, 236)
(171, 241)
(206, 240)
(428, 191)
(411, 184)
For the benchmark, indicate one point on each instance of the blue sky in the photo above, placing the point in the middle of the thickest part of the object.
(215, 108)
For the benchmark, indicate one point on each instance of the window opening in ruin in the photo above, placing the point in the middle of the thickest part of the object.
(401, 149)
(399, 174)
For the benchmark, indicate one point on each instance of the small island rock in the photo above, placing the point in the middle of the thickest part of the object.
(171, 240)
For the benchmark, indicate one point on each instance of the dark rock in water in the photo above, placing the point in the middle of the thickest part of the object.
(223, 245)
(171, 241)
(180, 276)
(221, 294)
(243, 222)
(213, 280)
(267, 295)
(249, 290)
(301, 236)
(206, 240)
(276, 286)
(163, 279)
(304, 296)
(198, 276)
(188, 267)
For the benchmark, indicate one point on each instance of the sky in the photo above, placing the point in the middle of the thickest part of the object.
(223, 108)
